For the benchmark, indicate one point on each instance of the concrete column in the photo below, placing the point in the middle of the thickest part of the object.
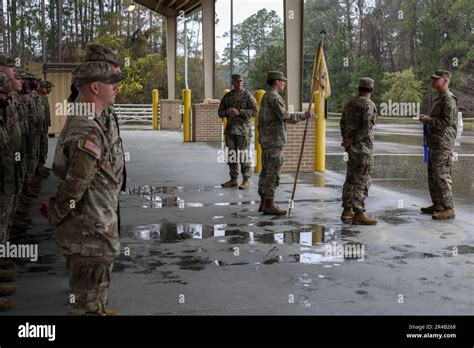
(171, 55)
(208, 33)
(293, 12)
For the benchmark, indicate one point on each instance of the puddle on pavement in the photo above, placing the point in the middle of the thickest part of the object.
(398, 216)
(156, 197)
(149, 190)
(461, 249)
(306, 235)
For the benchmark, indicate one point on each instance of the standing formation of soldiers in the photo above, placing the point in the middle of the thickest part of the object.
(24, 117)
(357, 131)
(90, 163)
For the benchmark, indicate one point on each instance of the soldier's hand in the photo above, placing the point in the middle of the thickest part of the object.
(231, 112)
(424, 119)
(309, 114)
(236, 111)
(346, 143)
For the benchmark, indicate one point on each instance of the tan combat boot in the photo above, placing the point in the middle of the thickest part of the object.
(6, 305)
(245, 184)
(361, 219)
(100, 309)
(431, 209)
(261, 208)
(347, 214)
(6, 264)
(272, 209)
(6, 277)
(231, 183)
(7, 290)
(445, 214)
(111, 312)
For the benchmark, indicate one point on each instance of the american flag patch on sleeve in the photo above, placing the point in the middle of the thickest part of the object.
(89, 145)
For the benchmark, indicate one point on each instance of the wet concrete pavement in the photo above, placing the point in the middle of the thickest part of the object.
(191, 247)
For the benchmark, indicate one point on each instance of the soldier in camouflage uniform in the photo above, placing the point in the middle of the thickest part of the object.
(239, 107)
(109, 117)
(84, 210)
(45, 88)
(442, 131)
(21, 218)
(272, 137)
(36, 111)
(9, 174)
(11, 123)
(357, 131)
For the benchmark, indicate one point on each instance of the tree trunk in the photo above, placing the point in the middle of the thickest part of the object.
(360, 6)
(60, 30)
(43, 31)
(13, 26)
(92, 20)
(2, 28)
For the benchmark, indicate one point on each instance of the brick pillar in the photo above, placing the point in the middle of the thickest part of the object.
(293, 147)
(170, 117)
(206, 124)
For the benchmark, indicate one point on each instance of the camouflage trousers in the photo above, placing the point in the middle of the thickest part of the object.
(272, 160)
(238, 147)
(440, 168)
(357, 184)
(89, 279)
(6, 213)
(33, 156)
(43, 152)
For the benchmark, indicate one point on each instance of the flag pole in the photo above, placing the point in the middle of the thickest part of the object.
(315, 66)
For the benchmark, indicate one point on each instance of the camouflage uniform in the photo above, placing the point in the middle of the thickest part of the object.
(23, 165)
(10, 165)
(45, 124)
(442, 130)
(36, 111)
(24, 129)
(84, 209)
(357, 123)
(272, 138)
(109, 117)
(238, 132)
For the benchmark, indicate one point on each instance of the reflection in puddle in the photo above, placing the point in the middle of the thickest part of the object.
(156, 197)
(305, 235)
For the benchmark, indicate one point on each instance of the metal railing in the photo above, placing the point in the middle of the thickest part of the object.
(134, 114)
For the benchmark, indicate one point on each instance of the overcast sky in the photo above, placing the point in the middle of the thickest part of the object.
(242, 10)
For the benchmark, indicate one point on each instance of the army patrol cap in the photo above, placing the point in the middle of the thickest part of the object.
(236, 77)
(94, 71)
(366, 82)
(276, 75)
(4, 84)
(27, 75)
(46, 84)
(101, 53)
(20, 72)
(6, 60)
(441, 73)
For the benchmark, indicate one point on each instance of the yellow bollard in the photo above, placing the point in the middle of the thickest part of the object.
(320, 134)
(155, 98)
(187, 115)
(258, 150)
(224, 120)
